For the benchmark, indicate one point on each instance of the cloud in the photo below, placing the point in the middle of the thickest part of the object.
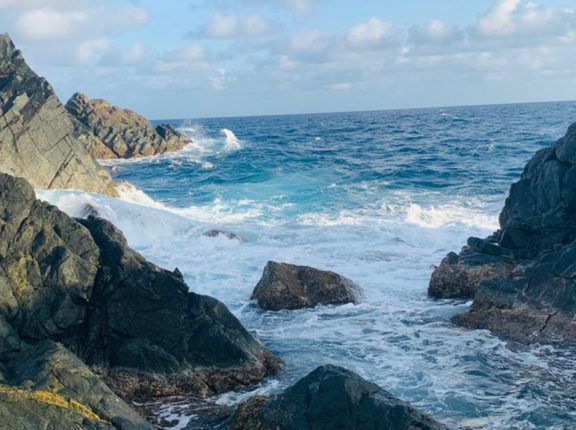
(89, 50)
(235, 27)
(49, 24)
(372, 34)
(434, 33)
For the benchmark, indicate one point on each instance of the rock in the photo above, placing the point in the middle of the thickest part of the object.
(49, 387)
(522, 278)
(36, 134)
(143, 318)
(332, 398)
(227, 234)
(111, 132)
(78, 283)
(286, 286)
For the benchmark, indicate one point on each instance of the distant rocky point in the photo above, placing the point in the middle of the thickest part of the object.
(523, 278)
(37, 139)
(109, 132)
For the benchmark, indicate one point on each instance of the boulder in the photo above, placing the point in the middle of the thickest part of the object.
(111, 132)
(223, 233)
(522, 278)
(287, 286)
(332, 398)
(37, 139)
(76, 282)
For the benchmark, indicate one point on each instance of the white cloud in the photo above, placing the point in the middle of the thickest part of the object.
(372, 34)
(308, 41)
(499, 20)
(434, 33)
(232, 26)
(134, 54)
(89, 50)
(49, 24)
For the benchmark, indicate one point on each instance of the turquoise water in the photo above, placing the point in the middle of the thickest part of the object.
(379, 197)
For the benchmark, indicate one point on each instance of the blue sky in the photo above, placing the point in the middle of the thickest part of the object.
(198, 58)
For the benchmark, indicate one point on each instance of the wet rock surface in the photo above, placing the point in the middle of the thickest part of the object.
(287, 286)
(37, 138)
(522, 278)
(109, 132)
(331, 398)
(73, 292)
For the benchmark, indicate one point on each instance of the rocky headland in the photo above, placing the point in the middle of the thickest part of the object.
(109, 132)
(522, 279)
(37, 139)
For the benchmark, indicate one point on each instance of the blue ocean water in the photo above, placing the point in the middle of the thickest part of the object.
(379, 197)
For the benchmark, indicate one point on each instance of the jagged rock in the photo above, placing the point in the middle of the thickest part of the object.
(227, 234)
(36, 133)
(522, 278)
(332, 398)
(78, 283)
(111, 132)
(286, 286)
(46, 386)
(143, 318)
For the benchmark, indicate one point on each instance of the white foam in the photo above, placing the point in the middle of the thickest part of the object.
(232, 142)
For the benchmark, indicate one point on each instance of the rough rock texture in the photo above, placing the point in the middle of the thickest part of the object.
(111, 132)
(286, 286)
(332, 398)
(77, 282)
(36, 133)
(523, 278)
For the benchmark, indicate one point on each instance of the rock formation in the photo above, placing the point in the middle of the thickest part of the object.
(286, 286)
(36, 134)
(332, 398)
(523, 278)
(73, 292)
(111, 132)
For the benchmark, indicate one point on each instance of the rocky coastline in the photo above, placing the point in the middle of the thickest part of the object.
(522, 279)
(88, 326)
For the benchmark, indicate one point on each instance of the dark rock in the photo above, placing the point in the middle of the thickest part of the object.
(49, 387)
(36, 134)
(111, 132)
(522, 278)
(286, 286)
(332, 398)
(78, 283)
(228, 234)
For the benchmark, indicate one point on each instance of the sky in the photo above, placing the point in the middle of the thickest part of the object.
(206, 58)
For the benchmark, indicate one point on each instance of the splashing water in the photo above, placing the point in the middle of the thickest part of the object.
(379, 197)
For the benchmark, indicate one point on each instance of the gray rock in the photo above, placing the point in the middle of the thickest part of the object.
(286, 286)
(522, 278)
(36, 133)
(332, 398)
(78, 283)
(111, 132)
(227, 234)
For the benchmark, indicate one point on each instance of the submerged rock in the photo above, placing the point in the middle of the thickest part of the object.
(37, 139)
(522, 278)
(78, 283)
(227, 234)
(332, 398)
(112, 132)
(287, 286)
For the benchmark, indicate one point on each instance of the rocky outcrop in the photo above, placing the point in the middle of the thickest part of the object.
(230, 235)
(111, 132)
(73, 292)
(523, 278)
(332, 398)
(36, 134)
(286, 286)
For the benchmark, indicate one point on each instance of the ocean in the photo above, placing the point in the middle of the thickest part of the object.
(379, 197)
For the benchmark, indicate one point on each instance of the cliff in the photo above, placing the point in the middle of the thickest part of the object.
(36, 134)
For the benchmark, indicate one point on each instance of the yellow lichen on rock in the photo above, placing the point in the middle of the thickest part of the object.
(53, 399)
